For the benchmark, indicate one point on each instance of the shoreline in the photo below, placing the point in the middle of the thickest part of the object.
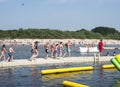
(73, 41)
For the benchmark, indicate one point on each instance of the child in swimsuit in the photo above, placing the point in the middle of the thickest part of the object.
(56, 51)
(34, 52)
(60, 48)
(68, 50)
(46, 47)
(3, 50)
(10, 53)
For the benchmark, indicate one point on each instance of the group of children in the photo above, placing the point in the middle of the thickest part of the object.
(10, 53)
(56, 50)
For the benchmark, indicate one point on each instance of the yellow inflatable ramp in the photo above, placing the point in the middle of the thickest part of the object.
(51, 71)
(72, 84)
(108, 66)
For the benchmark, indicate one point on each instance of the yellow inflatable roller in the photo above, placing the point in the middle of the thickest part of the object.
(72, 84)
(108, 66)
(118, 57)
(51, 71)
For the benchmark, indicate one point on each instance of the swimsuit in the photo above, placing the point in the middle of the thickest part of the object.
(68, 50)
(10, 54)
(56, 50)
(46, 50)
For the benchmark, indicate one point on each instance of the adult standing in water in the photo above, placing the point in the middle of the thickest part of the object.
(3, 50)
(100, 47)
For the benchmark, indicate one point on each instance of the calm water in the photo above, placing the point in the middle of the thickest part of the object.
(29, 76)
(23, 51)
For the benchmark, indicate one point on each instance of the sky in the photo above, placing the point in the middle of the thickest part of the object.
(59, 14)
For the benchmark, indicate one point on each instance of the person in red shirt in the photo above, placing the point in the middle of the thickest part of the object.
(100, 47)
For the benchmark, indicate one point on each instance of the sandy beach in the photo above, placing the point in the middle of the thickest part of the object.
(73, 41)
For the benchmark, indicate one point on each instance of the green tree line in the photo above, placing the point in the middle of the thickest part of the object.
(96, 33)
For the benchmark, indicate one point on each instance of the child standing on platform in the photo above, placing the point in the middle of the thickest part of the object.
(3, 50)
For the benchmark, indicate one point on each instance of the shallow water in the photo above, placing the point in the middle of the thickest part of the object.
(24, 52)
(29, 76)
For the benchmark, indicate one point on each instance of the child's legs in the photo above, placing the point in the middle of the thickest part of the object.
(60, 54)
(55, 55)
(9, 58)
(4, 57)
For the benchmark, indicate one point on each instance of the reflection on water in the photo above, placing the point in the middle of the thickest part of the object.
(6, 77)
(117, 83)
(31, 77)
(110, 70)
(65, 75)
